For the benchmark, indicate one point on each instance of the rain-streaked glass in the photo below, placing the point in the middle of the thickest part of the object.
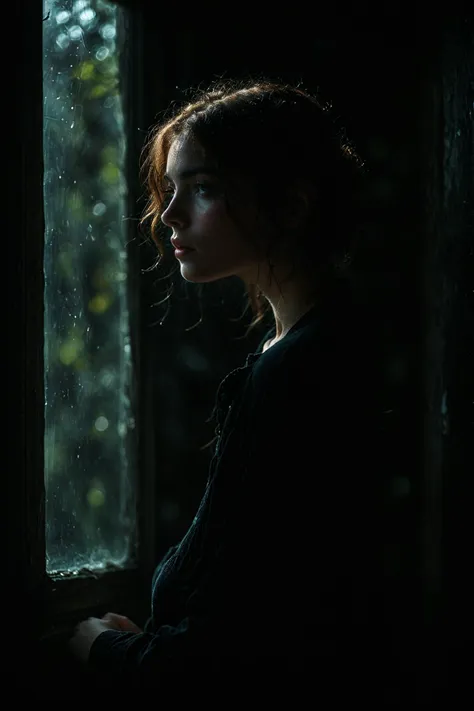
(89, 423)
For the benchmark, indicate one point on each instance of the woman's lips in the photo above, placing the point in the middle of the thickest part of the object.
(182, 252)
(177, 244)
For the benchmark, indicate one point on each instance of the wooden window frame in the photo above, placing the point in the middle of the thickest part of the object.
(57, 602)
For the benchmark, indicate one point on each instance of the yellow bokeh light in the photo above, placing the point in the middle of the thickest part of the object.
(98, 91)
(69, 351)
(100, 303)
(110, 173)
(95, 497)
(84, 71)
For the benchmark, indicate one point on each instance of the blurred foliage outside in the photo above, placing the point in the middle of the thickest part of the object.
(89, 482)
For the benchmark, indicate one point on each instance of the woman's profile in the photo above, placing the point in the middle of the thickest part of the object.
(279, 572)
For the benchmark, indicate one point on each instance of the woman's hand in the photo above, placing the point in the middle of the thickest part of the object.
(87, 632)
(122, 623)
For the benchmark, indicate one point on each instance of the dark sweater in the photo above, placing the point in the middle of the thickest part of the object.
(281, 569)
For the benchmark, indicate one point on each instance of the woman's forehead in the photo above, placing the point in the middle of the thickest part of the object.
(187, 157)
(186, 151)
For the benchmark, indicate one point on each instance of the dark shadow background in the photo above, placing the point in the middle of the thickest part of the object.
(402, 80)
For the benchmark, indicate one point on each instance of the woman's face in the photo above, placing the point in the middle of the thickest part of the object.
(199, 217)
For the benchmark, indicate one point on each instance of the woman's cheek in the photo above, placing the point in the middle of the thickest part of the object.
(213, 215)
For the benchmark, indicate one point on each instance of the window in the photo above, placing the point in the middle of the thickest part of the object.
(89, 422)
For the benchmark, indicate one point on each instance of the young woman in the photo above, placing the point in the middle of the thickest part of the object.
(280, 570)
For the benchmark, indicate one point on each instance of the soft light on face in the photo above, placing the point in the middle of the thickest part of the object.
(198, 216)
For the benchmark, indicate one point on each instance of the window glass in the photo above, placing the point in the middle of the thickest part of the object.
(89, 423)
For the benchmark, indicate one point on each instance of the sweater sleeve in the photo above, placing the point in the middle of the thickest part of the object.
(229, 617)
(227, 626)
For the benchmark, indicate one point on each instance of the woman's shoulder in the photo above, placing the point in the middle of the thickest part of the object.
(336, 345)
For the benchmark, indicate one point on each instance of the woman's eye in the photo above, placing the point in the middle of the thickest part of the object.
(202, 188)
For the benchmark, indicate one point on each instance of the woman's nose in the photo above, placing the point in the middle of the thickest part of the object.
(174, 215)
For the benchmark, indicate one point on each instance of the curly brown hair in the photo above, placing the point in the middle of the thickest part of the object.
(293, 139)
